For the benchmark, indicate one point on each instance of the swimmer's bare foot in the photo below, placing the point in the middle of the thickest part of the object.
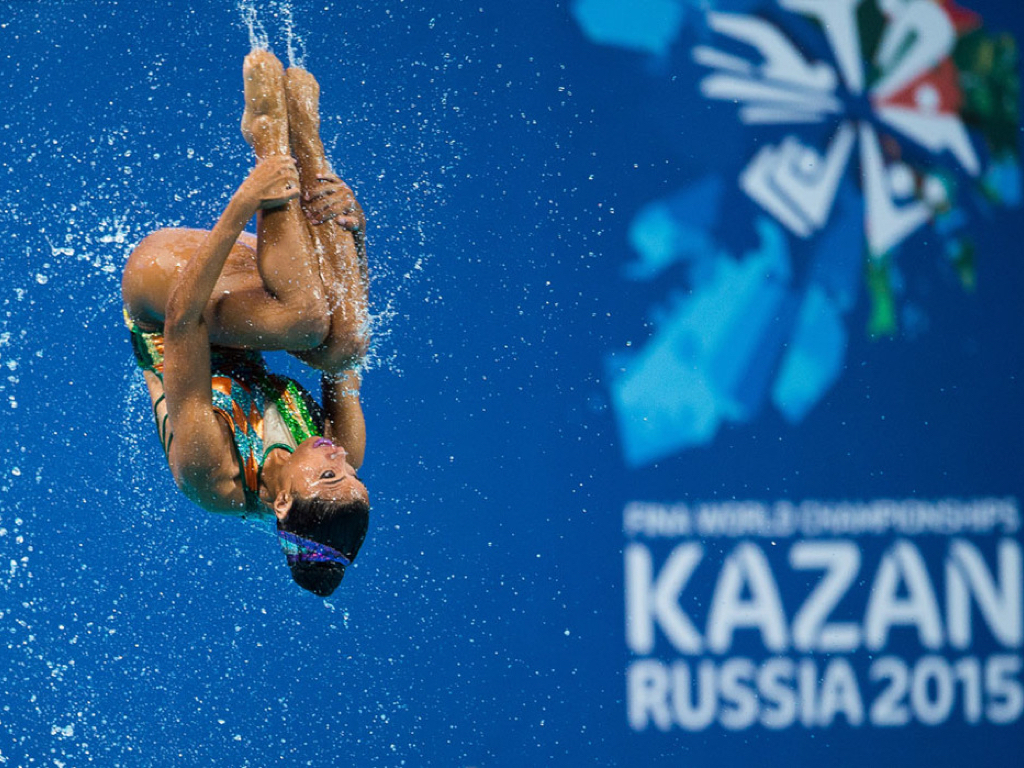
(265, 120)
(303, 97)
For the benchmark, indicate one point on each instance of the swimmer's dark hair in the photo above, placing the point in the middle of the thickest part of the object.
(341, 526)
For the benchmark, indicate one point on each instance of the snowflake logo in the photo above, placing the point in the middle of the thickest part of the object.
(918, 94)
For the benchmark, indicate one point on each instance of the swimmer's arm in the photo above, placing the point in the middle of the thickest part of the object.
(345, 423)
(339, 232)
(200, 449)
(200, 454)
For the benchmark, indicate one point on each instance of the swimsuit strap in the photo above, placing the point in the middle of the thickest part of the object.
(161, 426)
(269, 448)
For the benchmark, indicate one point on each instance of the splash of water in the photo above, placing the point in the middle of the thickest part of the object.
(296, 45)
(259, 38)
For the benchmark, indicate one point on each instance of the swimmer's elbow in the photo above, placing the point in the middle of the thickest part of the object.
(359, 346)
(309, 331)
(179, 319)
(351, 336)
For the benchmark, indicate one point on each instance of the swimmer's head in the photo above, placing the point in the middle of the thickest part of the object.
(321, 502)
(321, 538)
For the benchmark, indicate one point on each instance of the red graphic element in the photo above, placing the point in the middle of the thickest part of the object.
(938, 89)
(964, 21)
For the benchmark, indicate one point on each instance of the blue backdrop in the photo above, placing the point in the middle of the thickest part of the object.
(694, 410)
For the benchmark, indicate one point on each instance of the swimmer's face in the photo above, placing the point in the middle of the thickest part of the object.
(320, 469)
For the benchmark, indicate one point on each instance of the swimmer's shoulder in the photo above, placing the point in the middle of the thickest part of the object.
(213, 482)
(202, 459)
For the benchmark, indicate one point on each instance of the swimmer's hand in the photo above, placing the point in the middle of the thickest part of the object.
(333, 199)
(272, 183)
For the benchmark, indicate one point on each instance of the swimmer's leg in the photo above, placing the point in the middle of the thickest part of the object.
(286, 307)
(335, 223)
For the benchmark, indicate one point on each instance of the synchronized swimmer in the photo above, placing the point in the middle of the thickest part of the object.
(202, 305)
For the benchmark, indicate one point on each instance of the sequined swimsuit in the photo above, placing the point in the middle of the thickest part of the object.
(243, 388)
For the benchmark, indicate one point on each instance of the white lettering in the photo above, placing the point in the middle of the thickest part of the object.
(775, 684)
(739, 699)
(886, 609)
(647, 694)
(779, 692)
(840, 694)
(841, 562)
(968, 672)
(650, 600)
(1002, 606)
(690, 715)
(746, 571)
(889, 709)
(931, 690)
(808, 680)
(1006, 697)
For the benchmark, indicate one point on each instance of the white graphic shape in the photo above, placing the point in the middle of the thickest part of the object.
(785, 86)
(901, 181)
(934, 193)
(886, 224)
(839, 20)
(795, 184)
(937, 132)
(773, 115)
(813, 184)
(790, 180)
(712, 58)
(919, 36)
(757, 180)
(782, 61)
(770, 96)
